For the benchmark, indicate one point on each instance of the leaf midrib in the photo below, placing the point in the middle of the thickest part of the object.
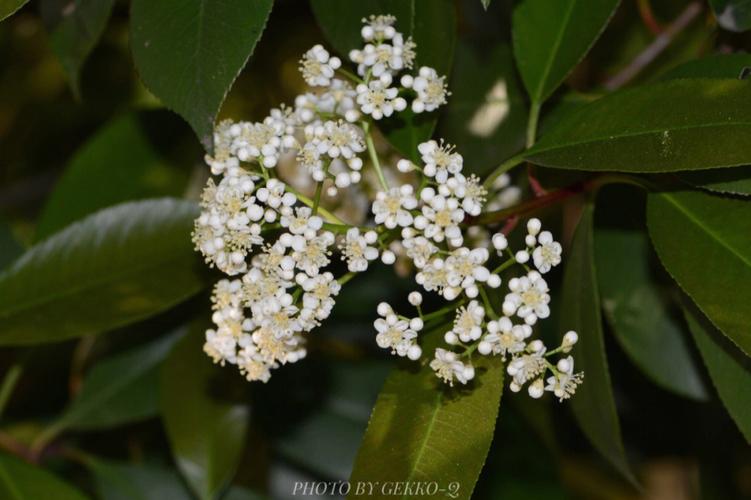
(428, 431)
(10, 484)
(554, 52)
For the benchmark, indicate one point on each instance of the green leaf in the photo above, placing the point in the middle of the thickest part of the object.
(120, 481)
(207, 437)
(123, 165)
(485, 4)
(115, 267)
(189, 52)
(421, 430)
(593, 404)
(735, 181)
(669, 126)
(733, 15)
(82, 23)
(120, 389)
(714, 66)
(486, 116)
(704, 242)
(21, 481)
(729, 369)
(9, 7)
(10, 248)
(640, 312)
(432, 26)
(552, 36)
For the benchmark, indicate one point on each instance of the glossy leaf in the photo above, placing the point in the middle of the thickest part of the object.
(120, 389)
(432, 26)
(82, 23)
(729, 368)
(486, 116)
(735, 181)
(9, 7)
(670, 126)
(704, 242)
(21, 481)
(123, 165)
(207, 437)
(189, 52)
(714, 66)
(422, 431)
(593, 404)
(733, 15)
(640, 313)
(552, 36)
(10, 248)
(115, 267)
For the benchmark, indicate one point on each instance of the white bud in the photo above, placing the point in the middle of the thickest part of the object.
(388, 257)
(564, 365)
(415, 298)
(530, 240)
(533, 226)
(499, 241)
(416, 324)
(494, 281)
(450, 338)
(484, 348)
(384, 309)
(522, 256)
(414, 352)
(536, 389)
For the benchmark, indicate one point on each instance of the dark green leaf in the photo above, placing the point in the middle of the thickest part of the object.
(207, 437)
(422, 431)
(10, 248)
(123, 165)
(704, 242)
(21, 481)
(735, 181)
(729, 369)
(640, 313)
(670, 126)
(552, 36)
(715, 66)
(733, 15)
(115, 267)
(486, 116)
(9, 7)
(189, 52)
(120, 389)
(430, 23)
(82, 23)
(593, 404)
(120, 481)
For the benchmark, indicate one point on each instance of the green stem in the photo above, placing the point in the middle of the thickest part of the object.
(373, 155)
(440, 312)
(510, 262)
(534, 115)
(346, 277)
(502, 169)
(486, 301)
(317, 197)
(333, 219)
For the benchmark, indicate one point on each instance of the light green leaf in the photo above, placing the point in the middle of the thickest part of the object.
(729, 368)
(432, 26)
(21, 481)
(486, 116)
(207, 437)
(640, 313)
(670, 126)
(82, 23)
(714, 66)
(733, 15)
(704, 242)
(115, 267)
(593, 404)
(421, 430)
(123, 165)
(189, 52)
(9, 7)
(552, 36)
(120, 389)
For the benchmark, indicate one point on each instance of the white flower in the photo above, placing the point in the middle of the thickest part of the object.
(318, 67)
(440, 219)
(529, 298)
(382, 58)
(448, 367)
(430, 88)
(469, 321)
(420, 250)
(378, 99)
(548, 252)
(394, 334)
(319, 294)
(465, 268)
(356, 249)
(300, 220)
(468, 189)
(379, 27)
(392, 208)
(311, 254)
(253, 366)
(564, 383)
(256, 142)
(440, 160)
(337, 139)
(525, 368)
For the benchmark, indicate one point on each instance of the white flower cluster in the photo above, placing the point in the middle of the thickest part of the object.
(276, 244)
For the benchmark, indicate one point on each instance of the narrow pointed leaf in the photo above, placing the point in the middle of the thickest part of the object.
(189, 52)
(733, 15)
(689, 124)
(640, 313)
(704, 242)
(593, 404)
(81, 24)
(207, 436)
(9, 7)
(729, 368)
(118, 266)
(21, 481)
(552, 36)
(422, 431)
(714, 66)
